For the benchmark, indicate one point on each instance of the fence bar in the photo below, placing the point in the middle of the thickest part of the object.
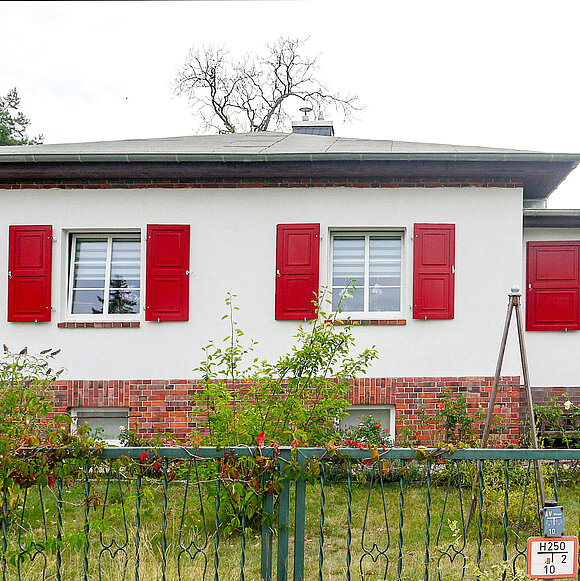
(86, 528)
(505, 513)
(283, 518)
(480, 467)
(216, 557)
(349, 518)
(299, 520)
(138, 525)
(58, 529)
(164, 524)
(267, 536)
(428, 521)
(4, 529)
(401, 522)
(321, 532)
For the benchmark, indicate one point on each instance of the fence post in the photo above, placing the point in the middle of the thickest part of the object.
(268, 508)
(283, 517)
(299, 521)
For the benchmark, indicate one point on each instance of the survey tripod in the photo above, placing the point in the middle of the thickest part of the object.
(514, 305)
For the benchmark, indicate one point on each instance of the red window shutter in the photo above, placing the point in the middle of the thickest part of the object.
(434, 271)
(29, 276)
(297, 265)
(553, 292)
(167, 272)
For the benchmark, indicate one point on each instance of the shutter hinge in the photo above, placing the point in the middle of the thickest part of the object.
(9, 274)
(187, 272)
(453, 269)
(278, 272)
(530, 286)
(53, 238)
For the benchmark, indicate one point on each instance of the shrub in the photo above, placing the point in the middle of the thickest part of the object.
(295, 400)
(35, 447)
(558, 423)
(453, 421)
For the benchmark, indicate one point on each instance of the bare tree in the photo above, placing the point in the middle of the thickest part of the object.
(255, 93)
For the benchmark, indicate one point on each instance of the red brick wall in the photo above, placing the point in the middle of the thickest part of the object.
(164, 405)
(411, 393)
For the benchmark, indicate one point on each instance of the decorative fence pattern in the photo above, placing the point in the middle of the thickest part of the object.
(397, 517)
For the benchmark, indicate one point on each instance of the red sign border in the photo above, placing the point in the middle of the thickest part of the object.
(559, 576)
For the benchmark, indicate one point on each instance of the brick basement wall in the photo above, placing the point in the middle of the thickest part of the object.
(542, 396)
(412, 393)
(164, 405)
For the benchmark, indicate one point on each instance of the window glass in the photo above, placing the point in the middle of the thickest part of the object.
(372, 265)
(106, 275)
(385, 414)
(105, 423)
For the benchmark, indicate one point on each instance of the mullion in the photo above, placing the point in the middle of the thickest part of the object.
(367, 290)
(108, 275)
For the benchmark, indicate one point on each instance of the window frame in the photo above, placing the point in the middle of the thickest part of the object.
(120, 412)
(108, 234)
(360, 410)
(367, 232)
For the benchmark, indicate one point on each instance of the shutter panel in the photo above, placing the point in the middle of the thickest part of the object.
(553, 292)
(297, 262)
(167, 272)
(29, 277)
(434, 271)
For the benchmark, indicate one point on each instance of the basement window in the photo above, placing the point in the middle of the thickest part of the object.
(106, 423)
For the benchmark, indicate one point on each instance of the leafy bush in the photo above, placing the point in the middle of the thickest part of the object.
(454, 421)
(558, 423)
(36, 447)
(295, 400)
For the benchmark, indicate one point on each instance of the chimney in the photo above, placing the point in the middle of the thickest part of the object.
(314, 127)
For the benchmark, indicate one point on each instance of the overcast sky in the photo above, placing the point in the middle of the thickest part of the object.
(490, 73)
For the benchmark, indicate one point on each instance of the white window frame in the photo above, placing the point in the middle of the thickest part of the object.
(109, 235)
(358, 411)
(367, 232)
(122, 413)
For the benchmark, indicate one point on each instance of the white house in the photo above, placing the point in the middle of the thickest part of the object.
(121, 254)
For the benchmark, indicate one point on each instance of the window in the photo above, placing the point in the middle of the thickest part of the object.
(105, 274)
(106, 423)
(372, 263)
(385, 414)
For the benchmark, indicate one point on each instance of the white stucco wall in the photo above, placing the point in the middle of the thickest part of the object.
(233, 235)
(553, 356)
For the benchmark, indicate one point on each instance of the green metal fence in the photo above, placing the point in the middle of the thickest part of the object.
(401, 517)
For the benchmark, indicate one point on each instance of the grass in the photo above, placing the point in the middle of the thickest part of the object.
(393, 544)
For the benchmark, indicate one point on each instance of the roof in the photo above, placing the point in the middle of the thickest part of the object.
(540, 172)
(263, 146)
(560, 218)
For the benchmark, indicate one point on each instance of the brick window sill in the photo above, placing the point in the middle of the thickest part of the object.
(101, 325)
(370, 322)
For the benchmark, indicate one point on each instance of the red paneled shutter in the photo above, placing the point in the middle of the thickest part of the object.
(553, 293)
(434, 271)
(297, 265)
(29, 273)
(167, 272)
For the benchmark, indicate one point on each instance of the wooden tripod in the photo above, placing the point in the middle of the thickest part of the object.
(514, 305)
